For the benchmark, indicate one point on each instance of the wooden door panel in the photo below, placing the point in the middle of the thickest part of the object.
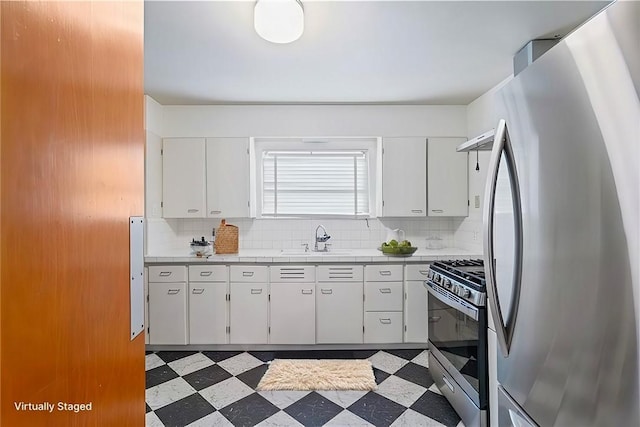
(72, 145)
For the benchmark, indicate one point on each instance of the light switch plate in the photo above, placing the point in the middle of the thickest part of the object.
(477, 201)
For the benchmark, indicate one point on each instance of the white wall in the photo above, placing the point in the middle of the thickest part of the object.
(289, 120)
(152, 115)
(314, 120)
(481, 117)
(153, 123)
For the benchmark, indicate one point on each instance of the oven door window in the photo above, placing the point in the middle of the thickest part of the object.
(455, 335)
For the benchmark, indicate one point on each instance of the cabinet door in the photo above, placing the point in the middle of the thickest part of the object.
(207, 313)
(183, 178)
(383, 327)
(248, 313)
(293, 313)
(227, 177)
(447, 177)
(339, 313)
(415, 312)
(404, 177)
(168, 313)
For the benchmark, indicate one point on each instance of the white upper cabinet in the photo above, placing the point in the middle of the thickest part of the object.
(183, 178)
(447, 177)
(404, 177)
(227, 177)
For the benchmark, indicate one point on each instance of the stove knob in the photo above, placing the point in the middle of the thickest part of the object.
(436, 277)
(447, 283)
(466, 293)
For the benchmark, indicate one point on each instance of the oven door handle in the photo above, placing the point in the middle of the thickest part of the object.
(469, 311)
(502, 144)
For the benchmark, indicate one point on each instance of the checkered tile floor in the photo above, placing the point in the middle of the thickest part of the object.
(217, 388)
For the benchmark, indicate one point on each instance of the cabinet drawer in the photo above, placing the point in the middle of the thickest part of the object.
(383, 273)
(340, 273)
(293, 274)
(168, 273)
(383, 327)
(249, 273)
(383, 296)
(208, 273)
(417, 271)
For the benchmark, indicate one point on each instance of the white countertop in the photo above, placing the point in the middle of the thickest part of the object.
(338, 255)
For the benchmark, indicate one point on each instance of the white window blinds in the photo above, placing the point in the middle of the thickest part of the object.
(315, 183)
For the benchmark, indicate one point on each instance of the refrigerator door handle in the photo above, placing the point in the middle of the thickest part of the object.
(502, 144)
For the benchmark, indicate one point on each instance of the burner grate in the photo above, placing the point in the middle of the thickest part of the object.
(470, 271)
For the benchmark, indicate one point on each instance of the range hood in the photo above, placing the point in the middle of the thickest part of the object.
(482, 142)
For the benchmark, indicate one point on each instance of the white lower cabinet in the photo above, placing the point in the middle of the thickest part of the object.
(416, 319)
(208, 304)
(292, 307)
(383, 327)
(293, 313)
(339, 304)
(383, 294)
(168, 305)
(248, 305)
(207, 313)
(339, 313)
(287, 304)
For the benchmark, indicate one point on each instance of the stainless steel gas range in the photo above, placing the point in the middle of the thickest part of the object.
(458, 336)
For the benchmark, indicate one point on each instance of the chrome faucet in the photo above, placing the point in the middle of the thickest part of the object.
(321, 239)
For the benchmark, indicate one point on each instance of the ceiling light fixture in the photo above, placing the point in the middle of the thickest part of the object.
(279, 21)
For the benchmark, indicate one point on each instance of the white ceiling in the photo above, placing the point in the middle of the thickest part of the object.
(389, 52)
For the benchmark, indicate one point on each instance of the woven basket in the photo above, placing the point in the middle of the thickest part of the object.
(226, 238)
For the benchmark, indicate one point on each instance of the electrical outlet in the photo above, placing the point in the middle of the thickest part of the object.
(475, 236)
(477, 201)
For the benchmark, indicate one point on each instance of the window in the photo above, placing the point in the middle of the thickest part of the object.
(297, 178)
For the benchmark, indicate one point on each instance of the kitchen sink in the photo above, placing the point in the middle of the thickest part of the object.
(300, 252)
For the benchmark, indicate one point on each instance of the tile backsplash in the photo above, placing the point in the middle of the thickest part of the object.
(170, 235)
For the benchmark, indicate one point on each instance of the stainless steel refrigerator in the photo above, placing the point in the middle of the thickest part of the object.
(561, 220)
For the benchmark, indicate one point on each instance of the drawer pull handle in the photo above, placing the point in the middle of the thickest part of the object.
(256, 291)
(307, 292)
(198, 291)
(385, 290)
(173, 291)
(385, 273)
(326, 291)
(416, 210)
(424, 272)
(437, 210)
(205, 273)
(446, 381)
(247, 273)
(193, 210)
(434, 319)
(165, 273)
(215, 212)
(385, 321)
